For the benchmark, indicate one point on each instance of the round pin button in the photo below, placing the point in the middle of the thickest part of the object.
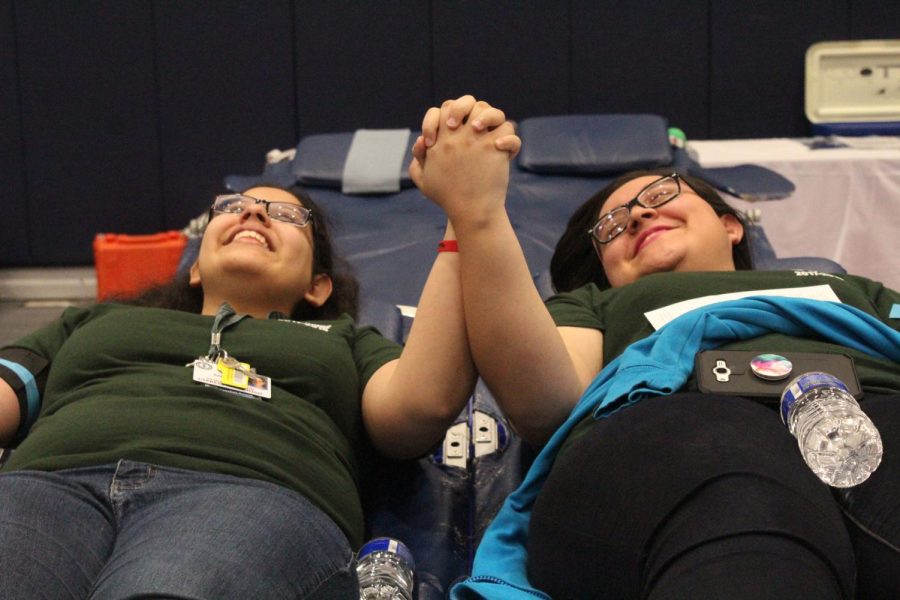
(771, 367)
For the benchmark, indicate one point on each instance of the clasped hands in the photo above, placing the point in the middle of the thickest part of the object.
(461, 160)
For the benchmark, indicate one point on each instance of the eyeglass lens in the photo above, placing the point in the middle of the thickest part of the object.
(280, 211)
(654, 195)
(658, 193)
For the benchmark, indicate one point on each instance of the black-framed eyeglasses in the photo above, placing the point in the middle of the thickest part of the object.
(285, 212)
(610, 224)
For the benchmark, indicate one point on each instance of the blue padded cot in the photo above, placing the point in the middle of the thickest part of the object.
(390, 238)
(441, 504)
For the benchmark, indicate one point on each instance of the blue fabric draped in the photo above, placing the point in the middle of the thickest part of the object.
(657, 365)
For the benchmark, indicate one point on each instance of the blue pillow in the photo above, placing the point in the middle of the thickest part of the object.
(600, 144)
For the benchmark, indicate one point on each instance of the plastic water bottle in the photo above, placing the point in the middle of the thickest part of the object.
(836, 438)
(385, 567)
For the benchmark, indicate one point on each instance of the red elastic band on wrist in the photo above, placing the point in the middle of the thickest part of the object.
(448, 246)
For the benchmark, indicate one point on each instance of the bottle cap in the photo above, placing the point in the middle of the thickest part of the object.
(386, 544)
(677, 137)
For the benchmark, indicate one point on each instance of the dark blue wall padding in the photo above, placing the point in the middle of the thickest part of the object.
(361, 64)
(225, 94)
(871, 19)
(124, 115)
(14, 238)
(642, 56)
(757, 52)
(89, 124)
(514, 54)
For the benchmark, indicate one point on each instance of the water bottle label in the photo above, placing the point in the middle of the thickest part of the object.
(385, 544)
(802, 384)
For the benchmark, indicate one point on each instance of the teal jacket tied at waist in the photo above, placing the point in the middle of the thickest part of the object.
(659, 364)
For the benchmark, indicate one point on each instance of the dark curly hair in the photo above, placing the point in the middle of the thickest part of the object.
(178, 294)
(575, 263)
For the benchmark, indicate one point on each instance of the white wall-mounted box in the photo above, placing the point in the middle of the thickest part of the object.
(853, 87)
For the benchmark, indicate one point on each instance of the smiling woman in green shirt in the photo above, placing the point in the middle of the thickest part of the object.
(681, 494)
(210, 443)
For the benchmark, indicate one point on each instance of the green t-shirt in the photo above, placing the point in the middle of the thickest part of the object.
(118, 388)
(620, 312)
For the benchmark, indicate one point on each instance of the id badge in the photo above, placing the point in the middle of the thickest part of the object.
(222, 376)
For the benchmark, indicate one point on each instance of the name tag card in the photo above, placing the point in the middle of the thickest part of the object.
(217, 374)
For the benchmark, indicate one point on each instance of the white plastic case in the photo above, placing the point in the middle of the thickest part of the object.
(854, 81)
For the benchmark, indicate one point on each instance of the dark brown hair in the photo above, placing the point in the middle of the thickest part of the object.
(575, 262)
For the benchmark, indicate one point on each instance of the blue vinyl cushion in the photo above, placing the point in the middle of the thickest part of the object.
(599, 144)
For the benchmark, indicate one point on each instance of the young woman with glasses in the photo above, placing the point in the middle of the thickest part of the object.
(216, 450)
(659, 493)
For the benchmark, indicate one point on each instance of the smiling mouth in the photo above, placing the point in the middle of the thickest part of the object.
(252, 237)
(649, 237)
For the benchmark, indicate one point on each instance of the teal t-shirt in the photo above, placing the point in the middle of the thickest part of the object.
(118, 388)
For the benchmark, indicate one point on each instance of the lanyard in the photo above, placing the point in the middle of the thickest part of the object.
(217, 369)
(225, 318)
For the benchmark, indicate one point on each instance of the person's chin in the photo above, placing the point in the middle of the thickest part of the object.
(656, 258)
(244, 265)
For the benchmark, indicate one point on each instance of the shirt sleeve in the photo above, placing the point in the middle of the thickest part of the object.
(578, 308)
(884, 300)
(25, 364)
(371, 351)
(888, 303)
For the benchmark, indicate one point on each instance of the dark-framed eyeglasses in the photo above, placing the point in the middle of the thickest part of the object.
(285, 212)
(610, 224)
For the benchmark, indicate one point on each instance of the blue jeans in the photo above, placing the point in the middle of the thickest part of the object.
(133, 530)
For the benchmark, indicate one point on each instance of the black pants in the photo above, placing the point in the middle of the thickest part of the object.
(699, 496)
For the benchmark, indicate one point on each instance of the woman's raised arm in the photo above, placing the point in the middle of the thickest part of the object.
(410, 402)
(536, 371)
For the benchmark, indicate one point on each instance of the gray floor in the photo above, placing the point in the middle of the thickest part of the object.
(31, 298)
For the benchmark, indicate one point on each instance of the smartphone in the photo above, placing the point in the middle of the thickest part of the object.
(729, 372)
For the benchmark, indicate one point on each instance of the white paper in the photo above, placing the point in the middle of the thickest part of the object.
(661, 316)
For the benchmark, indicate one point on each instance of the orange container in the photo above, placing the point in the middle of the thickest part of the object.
(128, 264)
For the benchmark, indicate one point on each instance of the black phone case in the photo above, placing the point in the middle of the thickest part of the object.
(743, 382)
